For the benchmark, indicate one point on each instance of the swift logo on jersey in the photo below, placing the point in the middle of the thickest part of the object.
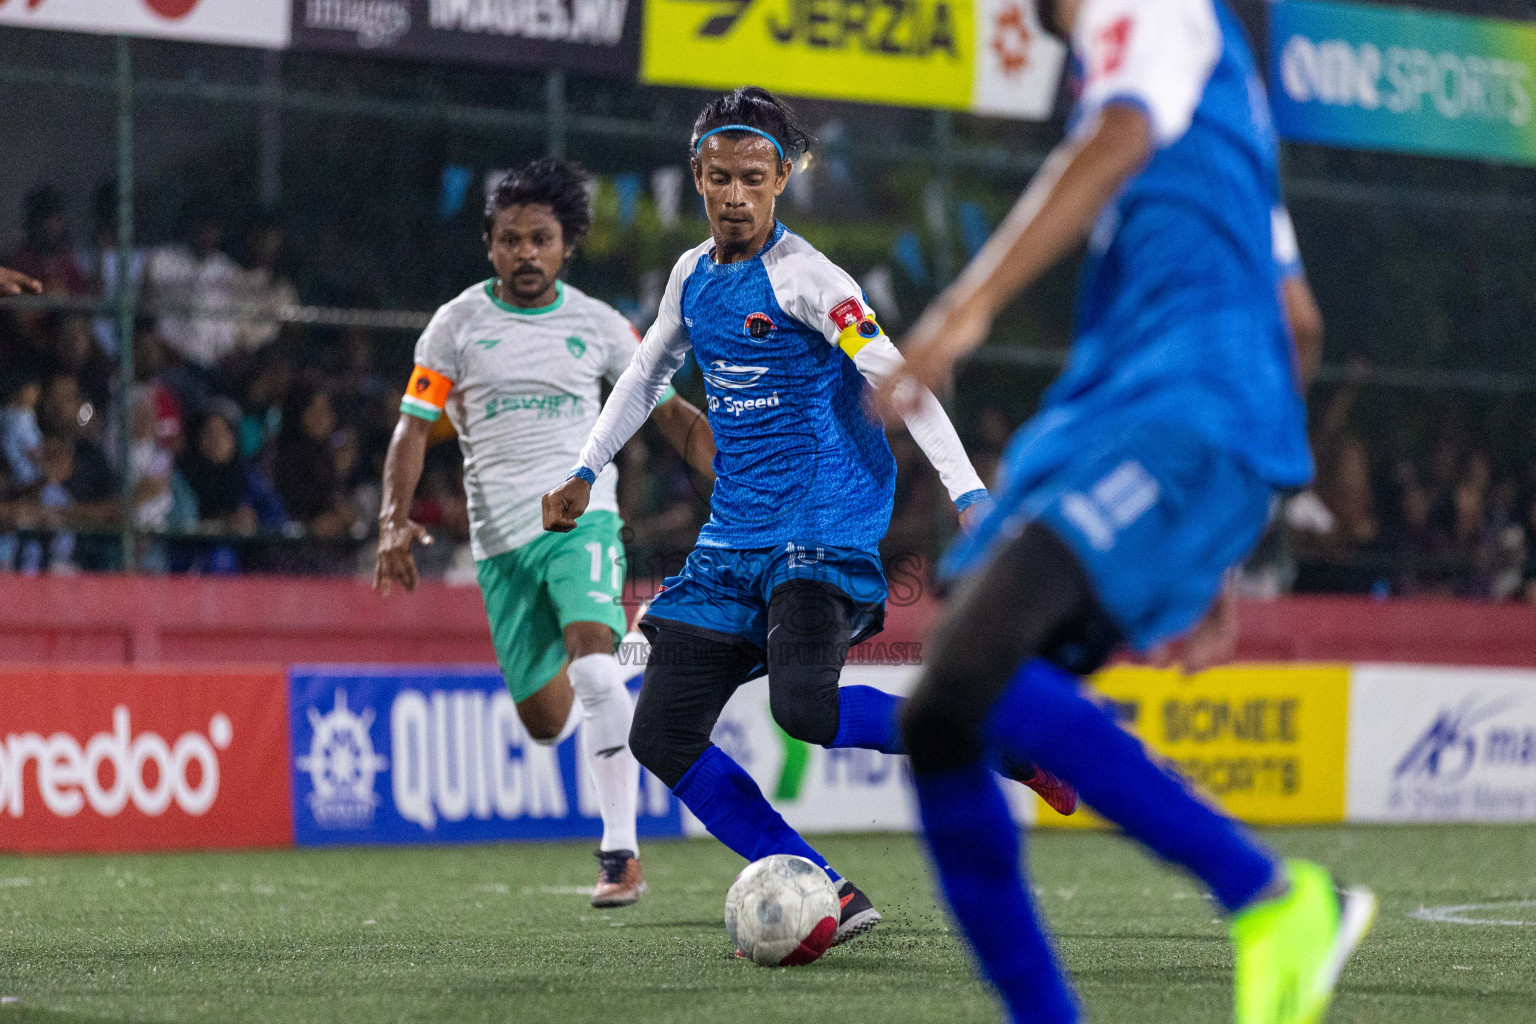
(546, 406)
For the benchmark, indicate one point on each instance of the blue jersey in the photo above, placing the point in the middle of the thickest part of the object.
(799, 458)
(787, 345)
(1186, 251)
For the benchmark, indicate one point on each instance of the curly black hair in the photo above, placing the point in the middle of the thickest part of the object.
(758, 108)
(559, 185)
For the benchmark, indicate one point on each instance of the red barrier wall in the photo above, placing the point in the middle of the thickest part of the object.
(289, 620)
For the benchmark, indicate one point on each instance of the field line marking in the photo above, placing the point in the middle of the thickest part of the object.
(1453, 914)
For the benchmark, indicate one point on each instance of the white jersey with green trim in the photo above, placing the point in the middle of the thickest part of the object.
(525, 396)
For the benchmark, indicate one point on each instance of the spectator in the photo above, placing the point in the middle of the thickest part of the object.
(58, 459)
(262, 288)
(69, 420)
(359, 388)
(46, 253)
(231, 498)
(98, 265)
(150, 466)
(203, 284)
(1347, 492)
(21, 451)
(304, 467)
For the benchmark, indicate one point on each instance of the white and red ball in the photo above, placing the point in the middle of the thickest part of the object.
(782, 911)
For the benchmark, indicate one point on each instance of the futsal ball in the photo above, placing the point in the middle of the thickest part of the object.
(782, 911)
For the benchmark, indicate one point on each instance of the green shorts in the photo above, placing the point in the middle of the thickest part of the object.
(533, 592)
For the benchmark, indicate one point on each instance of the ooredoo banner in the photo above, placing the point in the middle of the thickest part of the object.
(118, 759)
(261, 23)
(436, 755)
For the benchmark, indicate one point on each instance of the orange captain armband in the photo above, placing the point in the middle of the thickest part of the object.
(426, 394)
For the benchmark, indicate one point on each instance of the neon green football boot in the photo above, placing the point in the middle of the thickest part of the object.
(1290, 950)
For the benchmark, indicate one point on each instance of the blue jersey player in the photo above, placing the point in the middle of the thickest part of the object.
(787, 573)
(1147, 473)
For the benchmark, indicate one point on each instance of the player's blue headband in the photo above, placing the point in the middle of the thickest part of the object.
(740, 128)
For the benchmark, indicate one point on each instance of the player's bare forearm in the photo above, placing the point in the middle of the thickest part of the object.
(1306, 321)
(687, 430)
(402, 472)
(14, 282)
(1053, 216)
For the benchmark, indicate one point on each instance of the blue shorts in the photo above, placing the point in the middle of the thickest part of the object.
(724, 592)
(1155, 513)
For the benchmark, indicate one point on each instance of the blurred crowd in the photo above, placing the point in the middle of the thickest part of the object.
(1456, 519)
(255, 444)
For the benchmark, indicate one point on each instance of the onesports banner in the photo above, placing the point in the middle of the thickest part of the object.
(119, 759)
(263, 23)
(600, 37)
(1267, 742)
(987, 56)
(1371, 77)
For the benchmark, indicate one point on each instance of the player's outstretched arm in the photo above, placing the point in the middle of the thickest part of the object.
(931, 428)
(402, 471)
(1050, 219)
(14, 282)
(687, 430)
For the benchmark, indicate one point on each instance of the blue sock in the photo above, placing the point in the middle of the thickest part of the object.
(975, 847)
(866, 717)
(1044, 715)
(723, 796)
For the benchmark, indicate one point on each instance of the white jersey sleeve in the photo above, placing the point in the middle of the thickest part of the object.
(438, 347)
(1287, 251)
(820, 294)
(642, 382)
(621, 341)
(1154, 54)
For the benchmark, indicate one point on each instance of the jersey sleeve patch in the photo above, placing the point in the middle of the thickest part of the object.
(426, 394)
(846, 313)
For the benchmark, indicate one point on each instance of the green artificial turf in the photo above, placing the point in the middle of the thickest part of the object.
(502, 933)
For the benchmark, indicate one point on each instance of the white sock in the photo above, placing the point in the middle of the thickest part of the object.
(606, 712)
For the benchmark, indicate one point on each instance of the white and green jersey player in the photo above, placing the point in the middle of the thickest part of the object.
(517, 363)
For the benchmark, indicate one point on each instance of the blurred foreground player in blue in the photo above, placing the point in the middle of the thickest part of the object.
(787, 574)
(1148, 472)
